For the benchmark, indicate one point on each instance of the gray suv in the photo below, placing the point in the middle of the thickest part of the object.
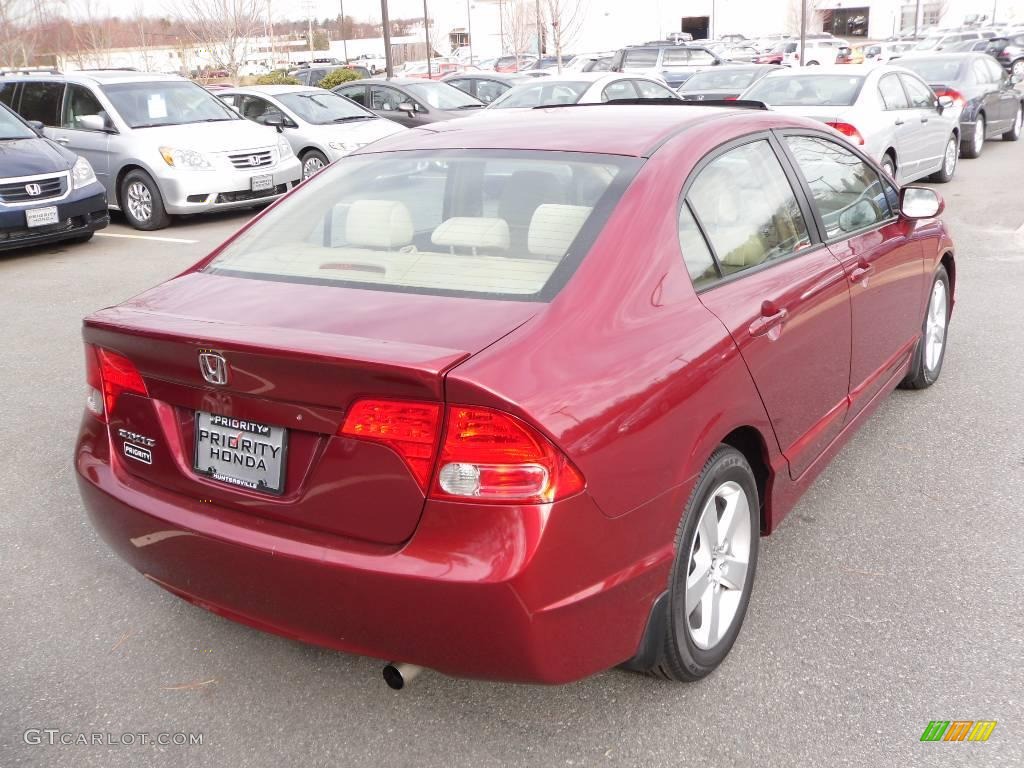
(159, 144)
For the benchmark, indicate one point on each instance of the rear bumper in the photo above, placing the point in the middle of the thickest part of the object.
(529, 594)
(78, 216)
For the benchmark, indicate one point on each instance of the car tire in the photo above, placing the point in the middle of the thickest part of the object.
(142, 203)
(1017, 68)
(973, 148)
(930, 352)
(313, 161)
(889, 165)
(700, 584)
(949, 160)
(813, 64)
(1014, 133)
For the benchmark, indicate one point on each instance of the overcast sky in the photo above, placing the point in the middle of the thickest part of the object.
(361, 10)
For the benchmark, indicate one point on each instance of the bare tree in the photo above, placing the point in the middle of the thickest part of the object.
(517, 28)
(224, 28)
(566, 18)
(91, 35)
(22, 25)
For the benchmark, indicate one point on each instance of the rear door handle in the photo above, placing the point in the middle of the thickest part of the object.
(61, 140)
(899, 121)
(861, 271)
(766, 322)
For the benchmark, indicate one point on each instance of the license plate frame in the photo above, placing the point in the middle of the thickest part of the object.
(41, 217)
(262, 183)
(235, 475)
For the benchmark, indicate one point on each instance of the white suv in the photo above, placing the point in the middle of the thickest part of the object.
(816, 51)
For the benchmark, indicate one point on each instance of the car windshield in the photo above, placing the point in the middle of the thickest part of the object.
(806, 90)
(12, 128)
(442, 96)
(463, 222)
(785, 48)
(928, 44)
(720, 79)
(937, 70)
(168, 102)
(542, 94)
(322, 107)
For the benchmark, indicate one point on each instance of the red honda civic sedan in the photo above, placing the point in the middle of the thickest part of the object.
(514, 398)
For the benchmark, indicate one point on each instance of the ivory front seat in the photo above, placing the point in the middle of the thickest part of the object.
(476, 233)
(380, 224)
(553, 228)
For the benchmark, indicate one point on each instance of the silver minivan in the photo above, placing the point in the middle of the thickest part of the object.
(159, 144)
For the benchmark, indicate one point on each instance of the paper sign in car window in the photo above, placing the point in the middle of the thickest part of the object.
(157, 106)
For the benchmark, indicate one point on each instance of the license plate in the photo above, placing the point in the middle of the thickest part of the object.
(262, 182)
(241, 452)
(39, 217)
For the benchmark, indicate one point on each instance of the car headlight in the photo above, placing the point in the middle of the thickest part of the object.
(187, 159)
(82, 173)
(284, 149)
(343, 146)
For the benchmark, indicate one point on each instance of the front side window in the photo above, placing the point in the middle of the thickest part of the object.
(166, 102)
(649, 90)
(849, 194)
(357, 93)
(747, 208)
(892, 93)
(701, 58)
(80, 102)
(41, 101)
(484, 223)
(259, 110)
(386, 99)
(542, 93)
(441, 96)
(489, 90)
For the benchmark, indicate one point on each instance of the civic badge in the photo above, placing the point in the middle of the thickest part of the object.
(214, 367)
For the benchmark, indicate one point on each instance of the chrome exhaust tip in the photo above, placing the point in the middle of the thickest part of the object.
(398, 674)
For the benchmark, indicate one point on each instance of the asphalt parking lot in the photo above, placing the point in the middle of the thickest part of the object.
(890, 597)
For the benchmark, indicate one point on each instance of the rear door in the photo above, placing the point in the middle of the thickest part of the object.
(934, 131)
(1009, 97)
(907, 138)
(856, 212)
(41, 100)
(781, 294)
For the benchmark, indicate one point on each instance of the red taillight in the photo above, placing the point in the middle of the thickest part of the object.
(849, 131)
(108, 375)
(731, 98)
(409, 428)
(487, 455)
(955, 95)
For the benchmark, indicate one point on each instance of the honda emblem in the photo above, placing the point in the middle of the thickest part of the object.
(34, 190)
(254, 160)
(214, 367)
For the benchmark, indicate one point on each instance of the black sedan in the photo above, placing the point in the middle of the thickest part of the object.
(410, 101)
(485, 87)
(1009, 51)
(722, 82)
(992, 107)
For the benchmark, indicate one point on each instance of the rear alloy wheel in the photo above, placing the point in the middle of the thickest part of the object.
(142, 202)
(713, 571)
(1014, 133)
(889, 166)
(949, 158)
(1017, 68)
(313, 161)
(931, 349)
(973, 148)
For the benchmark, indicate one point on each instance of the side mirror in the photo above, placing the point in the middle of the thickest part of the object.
(408, 107)
(274, 121)
(920, 203)
(945, 102)
(36, 126)
(92, 123)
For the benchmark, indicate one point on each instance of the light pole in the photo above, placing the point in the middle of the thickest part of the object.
(426, 34)
(803, 29)
(540, 29)
(385, 23)
(469, 32)
(344, 41)
(501, 25)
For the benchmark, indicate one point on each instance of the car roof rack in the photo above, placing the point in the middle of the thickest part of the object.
(737, 103)
(110, 69)
(30, 71)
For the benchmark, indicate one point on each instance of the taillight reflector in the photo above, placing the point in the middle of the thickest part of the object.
(849, 131)
(408, 428)
(108, 375)
(486, 455)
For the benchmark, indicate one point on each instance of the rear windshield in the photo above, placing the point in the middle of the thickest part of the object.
(456, 222)
(541, 94)
(720, 80)
(807, 90)
(934, 70)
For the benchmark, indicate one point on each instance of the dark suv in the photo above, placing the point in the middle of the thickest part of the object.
(673, 62)
(47, 193)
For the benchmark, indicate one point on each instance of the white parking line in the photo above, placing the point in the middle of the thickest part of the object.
(148, 237)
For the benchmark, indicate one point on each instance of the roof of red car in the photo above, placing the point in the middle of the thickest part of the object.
(635, 130)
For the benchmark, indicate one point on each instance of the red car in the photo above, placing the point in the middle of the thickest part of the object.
(515, 397)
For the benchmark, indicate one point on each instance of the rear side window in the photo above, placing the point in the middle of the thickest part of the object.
(641, 58)
(41, 101)
(357, 94)
(676, 56)
(892, 93)
(699, 261)
(848, 193)
(921, 96)
(7, 93)
(622, 89)
(747, 208)
(463, 222)
(649, 90)
(488, 90)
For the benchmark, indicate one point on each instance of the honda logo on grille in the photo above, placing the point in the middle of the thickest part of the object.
(34, 190)
(213, 367)
(254, 159)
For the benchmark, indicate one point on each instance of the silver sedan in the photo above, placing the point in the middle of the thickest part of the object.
(890, 112)
(320, 126)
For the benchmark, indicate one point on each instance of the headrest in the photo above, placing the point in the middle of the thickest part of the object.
(378, 224)
(472, 232)
(554, 227)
